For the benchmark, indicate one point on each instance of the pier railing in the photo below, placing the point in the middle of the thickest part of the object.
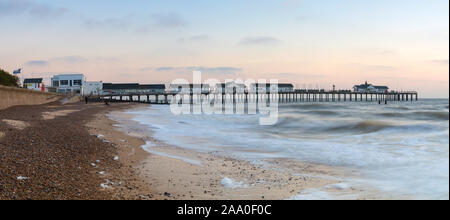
(247, 97)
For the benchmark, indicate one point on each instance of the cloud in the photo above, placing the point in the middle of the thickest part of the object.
(443, 62)
(13, 7)
(216, 70)
(261, 40)
(146, 69)
(170, 20)
(34, 9)
(114, 23)
(144, 30)
(194, 38)
(44, 11)
(206, 70)
(70, 59)
(162, 69)
(199, 37)
(37, 63)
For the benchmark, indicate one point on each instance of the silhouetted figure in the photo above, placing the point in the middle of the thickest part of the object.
(385, 102)
(86, 99)
(379, 102)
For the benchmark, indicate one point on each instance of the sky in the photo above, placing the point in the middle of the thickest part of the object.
(403, 44)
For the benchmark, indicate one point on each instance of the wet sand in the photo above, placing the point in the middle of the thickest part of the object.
(176, 173)
(77, 151)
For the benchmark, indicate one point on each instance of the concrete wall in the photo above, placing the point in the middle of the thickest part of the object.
(10, 96)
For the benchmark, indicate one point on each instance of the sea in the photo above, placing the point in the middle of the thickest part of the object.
(400, 149)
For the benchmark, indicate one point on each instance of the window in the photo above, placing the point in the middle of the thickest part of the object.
(64, 82)
(77, 83)
(56, 83)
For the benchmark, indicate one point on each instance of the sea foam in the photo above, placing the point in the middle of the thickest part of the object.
(399, 148)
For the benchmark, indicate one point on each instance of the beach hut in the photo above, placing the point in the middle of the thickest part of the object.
(34, 84)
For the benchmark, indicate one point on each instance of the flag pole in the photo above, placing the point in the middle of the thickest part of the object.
(21, 74)
(23, 77)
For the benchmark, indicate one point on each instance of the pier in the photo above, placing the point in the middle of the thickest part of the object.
(246, 97)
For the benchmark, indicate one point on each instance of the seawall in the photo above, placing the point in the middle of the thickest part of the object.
(10, 96)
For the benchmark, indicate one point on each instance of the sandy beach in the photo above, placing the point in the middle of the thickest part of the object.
(46, 152)
(177, 173)
(93, 151)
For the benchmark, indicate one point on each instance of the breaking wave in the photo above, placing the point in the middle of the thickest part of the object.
(432, 115)
(362, 127)
(400, 148)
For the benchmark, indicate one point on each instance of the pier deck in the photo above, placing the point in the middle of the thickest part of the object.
(282, 97)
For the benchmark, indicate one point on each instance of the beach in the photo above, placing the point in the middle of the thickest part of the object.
(76, 151)
(177, 173)
(47, 153)
(314, 151)
(94, 151)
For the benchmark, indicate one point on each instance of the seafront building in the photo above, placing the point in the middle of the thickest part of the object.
(68, 83)
(132, 88)
(152, 88)
(34, 84)
(92, 88)
(270, 87)
(369, 88)
(230, 87)
(309, 90)
(189, 88)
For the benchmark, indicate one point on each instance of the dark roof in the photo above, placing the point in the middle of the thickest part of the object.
(120, 86)
(152, 86)
(274, 84)
(285, 85)
(189, 85)
(229, 84)
(33, 80)
(363, 86)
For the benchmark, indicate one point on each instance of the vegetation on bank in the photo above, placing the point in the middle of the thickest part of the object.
(7, 79)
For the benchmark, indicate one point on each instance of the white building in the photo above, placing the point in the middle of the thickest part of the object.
(152, 88)
(189, 88)
(273, 88)
(68, 83)
(92, 88)
(369, 88)
(133, 88)
(230, 87)
(34, 84)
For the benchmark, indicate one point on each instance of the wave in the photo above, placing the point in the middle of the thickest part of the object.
(392, 114)
(407, 155)
(312, 106)
(403, 108)
(422, 115)
(323, 113)
(288, 121)
(432, 115)
(361, 127)
(296, 124)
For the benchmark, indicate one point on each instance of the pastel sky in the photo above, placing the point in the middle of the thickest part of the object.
(313, 43)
